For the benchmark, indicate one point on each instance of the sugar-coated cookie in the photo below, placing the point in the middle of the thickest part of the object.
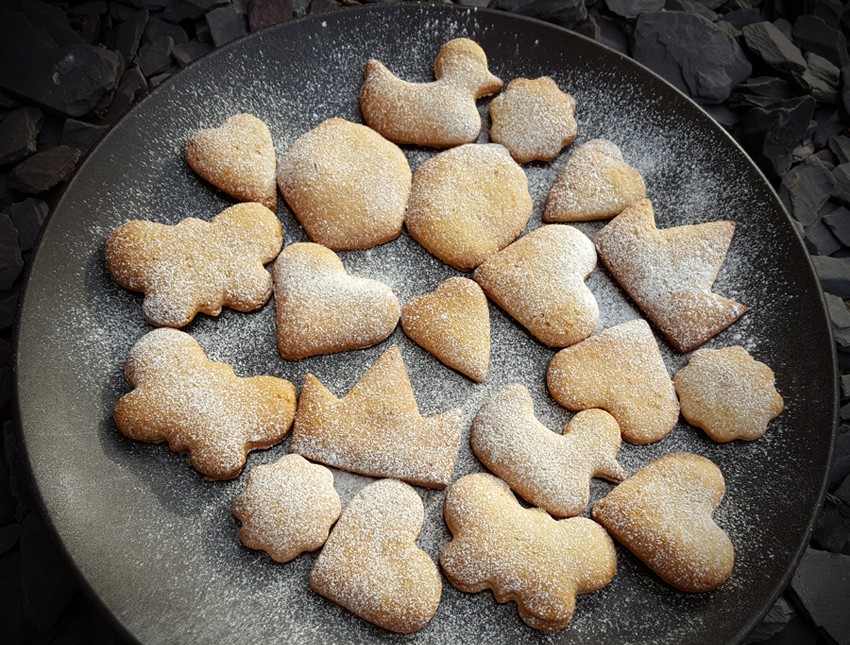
(371, 565)
(199, 406)
(287, 507)
(320, 309)
(533, 119)
(453, 323)
(522, 554)
(438, 114)
(621, 371)
(468, 203)
(346, 185)
(663, 514)
(376, 429)
(552, 471)
(728, 393)
(197, 266)
(539, 281)
(238, 157)
(669, 273)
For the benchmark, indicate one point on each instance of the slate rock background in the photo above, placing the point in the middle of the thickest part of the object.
(775, 73)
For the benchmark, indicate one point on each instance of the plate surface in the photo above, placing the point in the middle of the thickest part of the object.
(158, 545)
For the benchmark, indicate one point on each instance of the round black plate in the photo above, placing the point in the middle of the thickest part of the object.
(157, 545)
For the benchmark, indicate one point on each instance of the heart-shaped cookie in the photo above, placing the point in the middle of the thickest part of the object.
(371, 565)
(238, 157)
(321, 309)
(452, 323)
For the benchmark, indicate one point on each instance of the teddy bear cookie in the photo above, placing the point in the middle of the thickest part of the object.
(533, 119)
(468, 203)
(728, 393)
(371, 565)
(199, 406)
(238, 157)
(439, 114)
(346, 185)
(287, 507)
(320, 309)
(595, 183)
(453, 324)
(197, 266)
(376, 429)
(669, 273)
(539, 281)
(621, 371)
(549, 470)
(663, 514)
(522, 554)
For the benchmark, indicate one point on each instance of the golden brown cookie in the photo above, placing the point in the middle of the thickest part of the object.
(346, 185)
(621, 371)
(321, 309)
(728, 393)
(197, 266)
(663, 514)
(199, 406)
(376, 429)
(438, 114)
(371, 565)
(669, 273)
(522, 554)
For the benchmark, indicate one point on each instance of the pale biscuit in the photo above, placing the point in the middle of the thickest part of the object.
(468, 203)
(238, 157)
(522, 554)
(199, 406)
(728, 393)
(663, 514)
(371, 565)
(438, 114)
(287, 507)
(539, 281)
(346, 185)
(376, 429)
(595, 183)
(452, 323)
(533, 119)
(621, 371)
(669, 273)
(197, 266)
(320, 309)
(552, 471)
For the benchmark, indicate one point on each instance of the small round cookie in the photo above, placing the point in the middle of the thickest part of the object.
(728, 393)
(533, 119)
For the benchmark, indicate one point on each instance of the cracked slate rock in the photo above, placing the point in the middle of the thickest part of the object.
(180, 10)
(807, 187)
(125, 36)
(226, 24)
(185, 53)
(822, 77)
(827, 128)
(663, 42)
(742, 17)
(841, 192)
(692, 6)
(820, 240)
(822, 585)
(155, 56)
(81, 135)
(834, 274)
(157, 28)
(27, 217)
(838, 221)
(760, 91)
(43, 170)
(814, 35)
(840, 146)
(832, 531)
(774, 621)
(767, 42)
(561, 12)
(633, 8)
(265, 13)
(132, 84)
(18, 133)
(11, 261)
(840, 469)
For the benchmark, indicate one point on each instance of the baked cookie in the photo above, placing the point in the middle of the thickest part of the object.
(539, 281)
(287, 507)
(663, 514)
(621, 371)
(468, 203)
(669, 273)
(376, 429)
(199, 406)
(346, 185)
(533, 119)
(453, 324)
(438, 114)
(371, 565)
(728, 393)
(197, 266)
(320, 309)
(238, 157)
(522, 554)
(552, 471)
